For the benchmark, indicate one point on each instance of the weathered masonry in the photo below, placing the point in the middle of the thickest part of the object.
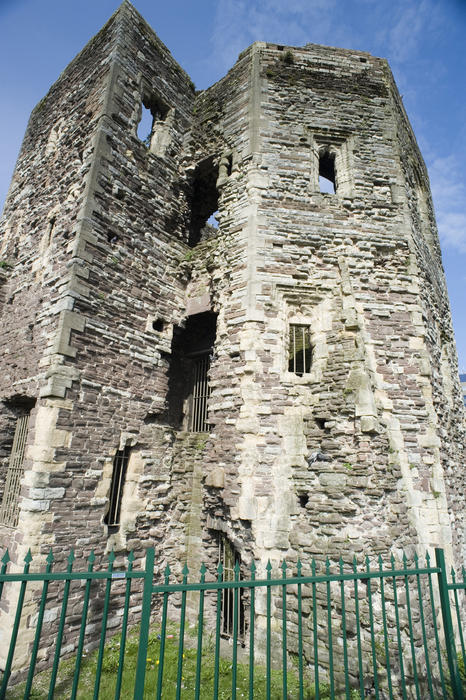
(228, 335)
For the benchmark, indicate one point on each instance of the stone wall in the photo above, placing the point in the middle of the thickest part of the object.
(108, 254)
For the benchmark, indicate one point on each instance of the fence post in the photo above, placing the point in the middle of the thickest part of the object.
(144, 631)
(448, 626)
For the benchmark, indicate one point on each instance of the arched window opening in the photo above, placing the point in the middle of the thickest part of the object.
(204, 201)
(327, 179)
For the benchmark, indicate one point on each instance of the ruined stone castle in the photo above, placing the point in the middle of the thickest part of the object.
(229, 336)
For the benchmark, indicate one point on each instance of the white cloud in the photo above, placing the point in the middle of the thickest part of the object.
(449, 195)
(238, 24)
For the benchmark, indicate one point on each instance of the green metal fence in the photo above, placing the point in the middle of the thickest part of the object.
(347, 630)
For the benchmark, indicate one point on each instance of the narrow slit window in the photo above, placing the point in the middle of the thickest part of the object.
(300, 350)
(229, 559)
(120, 466)
(327, 176)
(9, 510)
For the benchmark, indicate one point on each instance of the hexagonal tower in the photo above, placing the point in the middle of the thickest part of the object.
(230, 333)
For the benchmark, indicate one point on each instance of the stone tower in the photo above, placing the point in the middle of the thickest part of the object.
(204, 349)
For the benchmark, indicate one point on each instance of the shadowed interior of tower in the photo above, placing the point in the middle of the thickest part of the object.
(188, 387)
(204, 199)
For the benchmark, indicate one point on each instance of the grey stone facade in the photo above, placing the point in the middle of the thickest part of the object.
(112, 281)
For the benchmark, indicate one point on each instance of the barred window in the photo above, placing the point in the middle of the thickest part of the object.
(300, 350)
(229, 558)
(201, 391)
(120, 465)
(9, 511)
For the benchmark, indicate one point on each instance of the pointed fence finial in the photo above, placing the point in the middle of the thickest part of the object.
(203, 570)
(50, 558)
(28, 557)
(6, 557)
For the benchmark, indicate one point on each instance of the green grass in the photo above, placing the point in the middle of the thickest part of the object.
(110, 668)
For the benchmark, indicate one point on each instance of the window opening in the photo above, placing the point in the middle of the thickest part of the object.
(212, 220)
(152, 110)
(327, 179)
(299, 350)
(229, 559)
(303, 499)
(204, 200)
(201, 392)
(144, 130)
(188, 380)
(120, 465)
(158, 324)
(9, 511)
(51, 227)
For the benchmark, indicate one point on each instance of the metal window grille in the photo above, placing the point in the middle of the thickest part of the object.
(201, 392)
(300, 350)
(120, 464)
(229, 558)
(9, 511)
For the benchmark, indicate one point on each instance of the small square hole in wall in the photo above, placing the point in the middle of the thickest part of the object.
(158, 324)
(303, 499)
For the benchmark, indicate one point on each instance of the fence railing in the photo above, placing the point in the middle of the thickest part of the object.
(349, 630)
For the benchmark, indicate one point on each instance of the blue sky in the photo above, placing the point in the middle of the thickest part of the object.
(424, 41)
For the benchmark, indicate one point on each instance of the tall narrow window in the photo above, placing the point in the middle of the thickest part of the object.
(204, 200)
(228, 558)
(299, 350)
(9, 511)
(153, 113)
(327, 179)
(120, 465)
(201, 391)
(188, 380)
